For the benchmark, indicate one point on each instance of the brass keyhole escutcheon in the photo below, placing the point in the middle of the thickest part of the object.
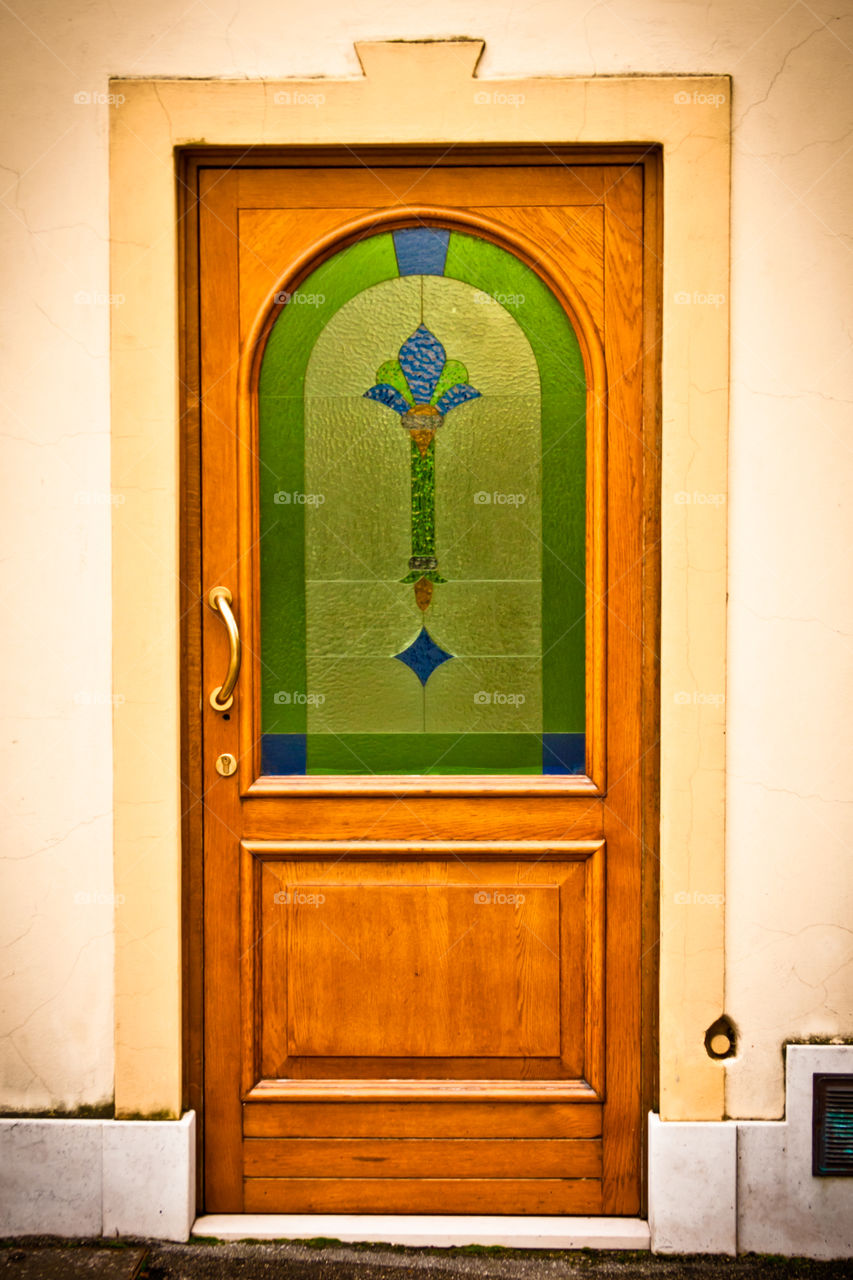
(226, 765)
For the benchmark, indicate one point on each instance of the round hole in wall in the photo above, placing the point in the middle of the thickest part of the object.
(721, 1038)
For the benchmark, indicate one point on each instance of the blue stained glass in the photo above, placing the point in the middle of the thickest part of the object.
(389, 396)
(283, 753)
(563, 753)
(423, 655)
(455, 396)
(422, 359)
(421, 251)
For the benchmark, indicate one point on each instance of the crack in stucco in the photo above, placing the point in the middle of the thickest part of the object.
(788, 55)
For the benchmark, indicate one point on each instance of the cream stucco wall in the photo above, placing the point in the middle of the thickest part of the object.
(789, 970)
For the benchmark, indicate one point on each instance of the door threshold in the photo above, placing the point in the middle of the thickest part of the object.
(430, 1230)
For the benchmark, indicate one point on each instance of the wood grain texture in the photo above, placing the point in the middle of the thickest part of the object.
(370, 187)
(475, 970)
(575, 234)
(244, 1030)
(487, 957)
(650, 710)
(394, 1090)
(423, 1195)
(421, 1120)
(421, 1157)
(192, 765)
(272, 241)
(622, 810)
(219, 555)
(424, 817)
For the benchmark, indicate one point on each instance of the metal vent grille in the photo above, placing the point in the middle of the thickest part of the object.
(832, 1126)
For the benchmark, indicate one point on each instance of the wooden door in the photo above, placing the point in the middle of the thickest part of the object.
(422, 422)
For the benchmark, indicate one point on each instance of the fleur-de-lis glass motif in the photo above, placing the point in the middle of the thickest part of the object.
(422, 386)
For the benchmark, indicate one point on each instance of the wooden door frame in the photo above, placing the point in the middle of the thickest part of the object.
(189, 162)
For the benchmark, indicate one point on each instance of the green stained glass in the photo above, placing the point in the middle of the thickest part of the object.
(563, 434)
(422, 476)
(453, 374)
(282, 474)
(391, 373)
(423, 500)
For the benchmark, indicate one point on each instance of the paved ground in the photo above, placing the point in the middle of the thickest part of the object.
(38, 1260)
(49, 1259)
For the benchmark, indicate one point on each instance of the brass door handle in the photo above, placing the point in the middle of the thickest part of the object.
(222, 696)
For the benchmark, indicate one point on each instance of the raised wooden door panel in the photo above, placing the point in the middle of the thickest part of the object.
(461, 963)
(422, 925)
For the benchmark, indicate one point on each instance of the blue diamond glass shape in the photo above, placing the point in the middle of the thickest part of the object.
(423, 655)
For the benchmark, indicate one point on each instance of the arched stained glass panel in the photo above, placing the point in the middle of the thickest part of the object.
(422, 466)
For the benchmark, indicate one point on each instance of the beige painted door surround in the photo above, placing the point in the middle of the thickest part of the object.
(393, 102)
